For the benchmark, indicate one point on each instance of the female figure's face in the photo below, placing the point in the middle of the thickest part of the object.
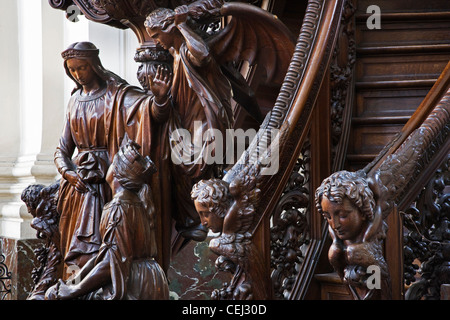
(208, 219)
(81, 71)
(344, 218)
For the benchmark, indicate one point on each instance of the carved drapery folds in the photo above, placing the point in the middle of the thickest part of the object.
(131, 14)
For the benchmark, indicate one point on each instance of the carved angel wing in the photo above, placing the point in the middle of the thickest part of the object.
(256, 36)
(244, 188)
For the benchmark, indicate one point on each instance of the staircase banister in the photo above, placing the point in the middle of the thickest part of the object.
(290, 118)
(417, 118)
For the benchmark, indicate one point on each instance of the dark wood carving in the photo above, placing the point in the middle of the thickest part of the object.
(41, 202)
(200, 81)
(102, 109)
(427, 232)
(342, 85)
(357, 236)
(287, 140)
(290, 232)
(124, 268)
(229, 208)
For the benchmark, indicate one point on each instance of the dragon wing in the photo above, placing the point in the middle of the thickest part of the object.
(256, 36)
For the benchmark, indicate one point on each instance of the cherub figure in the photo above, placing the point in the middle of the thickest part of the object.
(229, 208)
(352, 204)
(41, 204)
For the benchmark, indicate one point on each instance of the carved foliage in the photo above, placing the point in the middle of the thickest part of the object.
(290, 228)
(5, 279)
(427, 238)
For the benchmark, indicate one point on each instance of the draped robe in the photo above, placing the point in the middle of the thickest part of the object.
(199, 93)
(128, 248)
(95, 126)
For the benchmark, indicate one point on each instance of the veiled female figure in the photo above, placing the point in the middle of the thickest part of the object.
(103, 107)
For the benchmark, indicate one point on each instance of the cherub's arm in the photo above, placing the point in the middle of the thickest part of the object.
(198, 49)
(231, 221)
(378, 189)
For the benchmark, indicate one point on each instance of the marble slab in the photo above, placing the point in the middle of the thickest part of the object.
(20, 261)
(192, 273)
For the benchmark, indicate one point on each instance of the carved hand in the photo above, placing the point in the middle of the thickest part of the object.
(181, 14)
(161, 83)
(75, 180)
(52, 292)
(59, 291)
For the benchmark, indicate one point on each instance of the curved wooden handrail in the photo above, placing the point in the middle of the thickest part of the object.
(419, 116)
(291, 115)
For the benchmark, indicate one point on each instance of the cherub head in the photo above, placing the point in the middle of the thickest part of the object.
(31, 195)
(347, 202)
(212, 200)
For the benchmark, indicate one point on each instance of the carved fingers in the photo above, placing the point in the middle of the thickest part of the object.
(75, 180)
(181, 14)
(161, 83)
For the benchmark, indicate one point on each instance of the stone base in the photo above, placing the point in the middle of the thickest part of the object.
(192, 273)
(19, 261)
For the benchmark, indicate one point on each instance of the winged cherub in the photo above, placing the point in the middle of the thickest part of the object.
(229, 208)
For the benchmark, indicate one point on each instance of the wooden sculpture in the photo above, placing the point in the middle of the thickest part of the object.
(229, 208)
(204, 84)
(124, 267)
(41, 203)
(195, 92)
(351, 203)
(356, 204)
(103, 107)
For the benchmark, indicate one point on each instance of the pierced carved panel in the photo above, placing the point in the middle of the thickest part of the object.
(427, 238)
(290, 227)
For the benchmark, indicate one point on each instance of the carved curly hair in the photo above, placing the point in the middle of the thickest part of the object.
(352, 185)
(213, 194)
(160, 18)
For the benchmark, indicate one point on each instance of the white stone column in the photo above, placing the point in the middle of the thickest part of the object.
(53, 103)
(34, 92)
(21, 25)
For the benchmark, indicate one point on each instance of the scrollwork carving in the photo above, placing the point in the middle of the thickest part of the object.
(427, 238)
(5, 279)
(290, 230)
